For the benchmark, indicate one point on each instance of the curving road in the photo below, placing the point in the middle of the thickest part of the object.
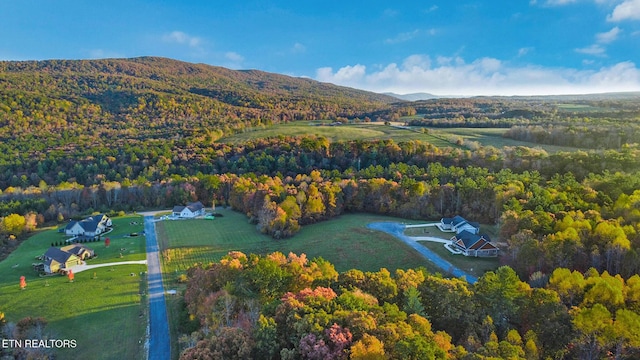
(159, 340)
(397, 230)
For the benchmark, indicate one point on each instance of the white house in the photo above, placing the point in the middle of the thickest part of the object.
(458, 224)
(190, 211)
(90, 227)
(474, 245)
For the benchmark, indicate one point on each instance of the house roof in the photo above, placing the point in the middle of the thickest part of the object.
(53, 253)
(447, 220)
(178, 208)
(88, 224)
(458, 220)
(193, 207)
(76, 249)
(470, 240)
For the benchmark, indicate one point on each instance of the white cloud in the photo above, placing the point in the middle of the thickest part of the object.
(179, 37)
(628, 10)
(484, 76)
(432, 9)
(524, 51)
(403, 37)
(298, 48)
(558, 2)
(609, 36)
(594, 49)
(233, 56)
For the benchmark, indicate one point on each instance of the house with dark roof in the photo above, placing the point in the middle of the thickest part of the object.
(458, 224)
(57, 260)
(89, 227)
(471, 244)
(191, 210)
(79, 250)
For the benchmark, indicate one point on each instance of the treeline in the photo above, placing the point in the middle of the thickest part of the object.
(590, 136)
(286, 156)
(290, 307)
(467, 122)
(548, 221)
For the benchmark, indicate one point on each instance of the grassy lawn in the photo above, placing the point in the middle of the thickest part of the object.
(474, 266)
(345, 242)
(106, 315)
(370, 131)
(428, 231)
(493, 137)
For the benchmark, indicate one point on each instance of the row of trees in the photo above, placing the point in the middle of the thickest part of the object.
(592, 136)
(290, 307)
(532, 209)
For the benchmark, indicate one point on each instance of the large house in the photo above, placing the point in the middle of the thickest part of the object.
(192, 210)
(80, 251)
(458, 224)
(89, 227)
(471, 244)
(57, 260)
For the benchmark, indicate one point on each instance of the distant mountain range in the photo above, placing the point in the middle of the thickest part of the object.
(574, 97)
(413, 96)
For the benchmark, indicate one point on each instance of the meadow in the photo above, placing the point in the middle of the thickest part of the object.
(363, 131)
(493, 137)
(104, 310)
(345, 241)
(439, 137)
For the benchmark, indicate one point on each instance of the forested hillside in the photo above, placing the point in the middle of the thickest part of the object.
(78, 137)
(84, 109)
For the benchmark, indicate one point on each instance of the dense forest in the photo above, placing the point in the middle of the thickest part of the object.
(123, 135)
(290, 307)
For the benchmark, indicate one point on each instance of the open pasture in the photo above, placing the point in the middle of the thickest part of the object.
(493, 137)
(364, 131)
(104, 309)
(344, 241)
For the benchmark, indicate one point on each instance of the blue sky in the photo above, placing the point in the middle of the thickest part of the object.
(442, 47)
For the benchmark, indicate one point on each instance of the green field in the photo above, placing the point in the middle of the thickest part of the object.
(439, 137)
(369, 131)
(344, 241)
(105, 314)
(493, 137)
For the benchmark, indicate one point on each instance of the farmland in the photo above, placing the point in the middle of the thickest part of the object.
(103, 310)
(367, 131)
(345, 242)
(440, 137)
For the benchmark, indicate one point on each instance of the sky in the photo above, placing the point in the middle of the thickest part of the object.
(460, 48)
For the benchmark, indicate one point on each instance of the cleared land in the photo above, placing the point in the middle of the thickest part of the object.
(440, 137)
(493, 137)
(106, 315)
(365, 131)
(345, 242)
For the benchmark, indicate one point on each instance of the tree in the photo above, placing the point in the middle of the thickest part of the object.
(368, 348)
(499, 293)
(14, 224)
(413, 302)
(595, 328)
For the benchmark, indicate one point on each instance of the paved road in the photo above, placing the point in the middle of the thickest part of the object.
(159, 343)
(397, 230)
